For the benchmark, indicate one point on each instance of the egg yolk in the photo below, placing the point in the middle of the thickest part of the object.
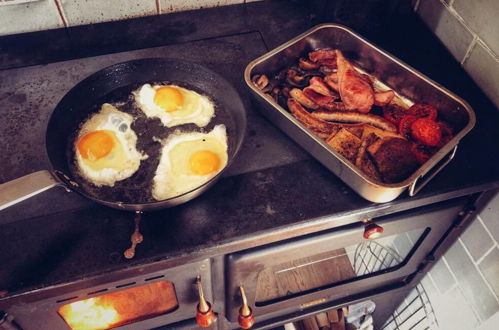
(168, 98)
(96, 145)
(204, 162)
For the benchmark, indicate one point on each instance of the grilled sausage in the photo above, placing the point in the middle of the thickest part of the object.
(319, 126)
(355, 117)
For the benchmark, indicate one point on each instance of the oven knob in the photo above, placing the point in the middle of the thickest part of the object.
(246, 318)
(205, 316)
(372, 230)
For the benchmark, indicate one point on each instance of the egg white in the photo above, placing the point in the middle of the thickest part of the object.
(197, 109)
(173, 178)
(110, 118)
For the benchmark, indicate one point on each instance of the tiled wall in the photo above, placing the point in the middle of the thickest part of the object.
(51, 14)
(462, 288)
(470, 30)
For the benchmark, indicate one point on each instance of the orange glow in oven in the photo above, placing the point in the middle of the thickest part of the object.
(121, 307)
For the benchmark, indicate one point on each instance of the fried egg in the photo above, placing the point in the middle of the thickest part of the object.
(188, 160)
(105, 147)
(174, 105)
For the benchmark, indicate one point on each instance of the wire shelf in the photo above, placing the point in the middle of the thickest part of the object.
(416, 312)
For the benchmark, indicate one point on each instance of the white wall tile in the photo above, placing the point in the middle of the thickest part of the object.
(484, 68)
(489, 267)
(477, 240)
(482, 17)
(455, 36)
(80, 12)
(471, 282)
(442, 276)
(170, 6)
(489, 216)
(430, 289)
(34, 16)
(463, 24)
(453, 312)
(490, 324)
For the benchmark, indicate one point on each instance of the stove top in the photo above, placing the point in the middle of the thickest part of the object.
(273, 191)
(33, 92)
(62, 226)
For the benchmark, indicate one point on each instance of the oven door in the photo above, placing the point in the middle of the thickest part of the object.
(337, 265)
(145, 301)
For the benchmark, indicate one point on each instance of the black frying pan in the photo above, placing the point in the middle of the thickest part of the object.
(115, 84)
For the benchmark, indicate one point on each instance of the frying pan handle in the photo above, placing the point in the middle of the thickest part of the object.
(414, 188)
(25, 187)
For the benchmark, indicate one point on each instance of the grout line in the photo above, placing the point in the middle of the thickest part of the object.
(410, 240)
(471, 306)
(158, 7)
(452, 287)
(456, 15)
(58, 4)
(482, 44)
(416, 5)
(469, 50)
(448, 267)
(430, 277)
(485, 255)
(456, 285)
(487, 229)
(482, 256)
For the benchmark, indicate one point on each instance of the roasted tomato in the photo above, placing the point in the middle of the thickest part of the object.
(422, 152)
(447, 132)
(423, 110)
(405, 125)
(394, 113)
(426, 131)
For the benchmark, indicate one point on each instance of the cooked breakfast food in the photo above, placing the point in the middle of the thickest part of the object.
(357, 116)
(174, 105)
(188, 160)
(105, 147)
(106, 151)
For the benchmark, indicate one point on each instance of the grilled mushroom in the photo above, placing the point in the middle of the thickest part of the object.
(262, 82)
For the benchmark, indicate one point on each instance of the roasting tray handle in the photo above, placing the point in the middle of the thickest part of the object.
(22, 188)
(414, 188)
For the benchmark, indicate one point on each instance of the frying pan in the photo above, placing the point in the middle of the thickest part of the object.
(115, 84)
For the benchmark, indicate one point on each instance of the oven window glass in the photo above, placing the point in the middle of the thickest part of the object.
(121, 307)
(338, 266)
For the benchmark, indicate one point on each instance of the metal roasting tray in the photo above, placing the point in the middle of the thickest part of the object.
(409, 84)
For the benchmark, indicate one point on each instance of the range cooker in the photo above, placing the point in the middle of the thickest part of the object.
(276, 211)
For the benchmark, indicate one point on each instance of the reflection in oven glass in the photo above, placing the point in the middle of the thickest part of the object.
(121, 307)
(332, 267)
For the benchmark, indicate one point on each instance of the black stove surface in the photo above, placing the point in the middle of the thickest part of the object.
(273, 187)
